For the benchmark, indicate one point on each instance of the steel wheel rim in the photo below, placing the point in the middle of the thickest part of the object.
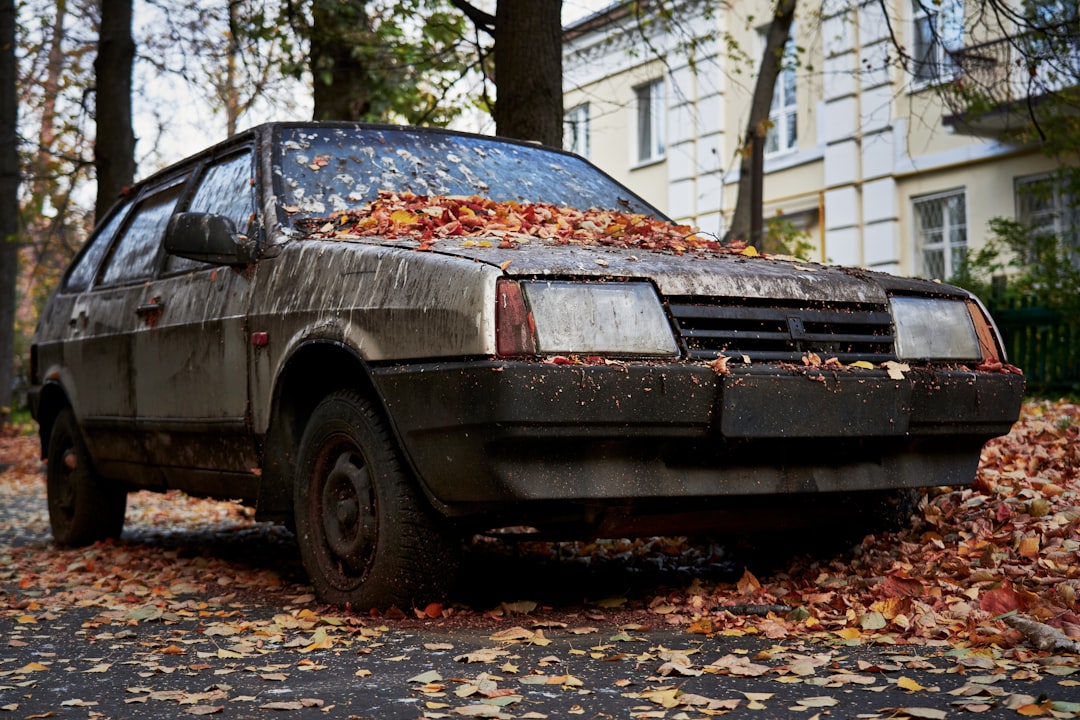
(345, 512)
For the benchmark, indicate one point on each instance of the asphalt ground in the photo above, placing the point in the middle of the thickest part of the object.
(199, 611)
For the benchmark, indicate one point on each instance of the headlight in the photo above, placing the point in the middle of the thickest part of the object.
(618, 318)
(930, 329)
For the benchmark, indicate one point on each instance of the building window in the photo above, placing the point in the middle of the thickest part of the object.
(650, 121)
(783, 129)
(1045, 205)
(941, 234)
(576, 130)
(939, 29)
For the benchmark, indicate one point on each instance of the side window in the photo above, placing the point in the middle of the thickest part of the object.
(83, 273)
(136, 253)
(225, 189)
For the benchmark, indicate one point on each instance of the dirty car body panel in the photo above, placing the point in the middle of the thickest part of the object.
(281, 342)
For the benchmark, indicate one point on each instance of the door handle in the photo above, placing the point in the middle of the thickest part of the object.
(150, 308)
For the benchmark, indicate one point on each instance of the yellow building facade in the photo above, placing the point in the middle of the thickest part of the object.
(863, 155)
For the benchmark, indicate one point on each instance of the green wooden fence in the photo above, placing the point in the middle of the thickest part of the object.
(1043, 343)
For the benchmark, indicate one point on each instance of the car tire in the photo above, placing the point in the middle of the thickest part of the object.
(83, 507)
(368, 537)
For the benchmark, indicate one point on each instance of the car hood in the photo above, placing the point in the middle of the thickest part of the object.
(722, 275)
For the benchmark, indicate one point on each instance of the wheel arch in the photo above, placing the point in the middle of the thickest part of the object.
(53, 399)
(314, 370)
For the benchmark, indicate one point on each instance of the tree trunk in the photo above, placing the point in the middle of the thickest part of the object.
(747, 221)
(232, 93)
(9, 202)
(528, 70)
(114, 148)
(340, 34)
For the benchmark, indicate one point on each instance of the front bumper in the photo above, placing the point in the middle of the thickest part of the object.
(486, 434)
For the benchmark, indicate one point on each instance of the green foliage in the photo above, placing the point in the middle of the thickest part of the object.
(413, 53)
(783, 238)
(1023, 264)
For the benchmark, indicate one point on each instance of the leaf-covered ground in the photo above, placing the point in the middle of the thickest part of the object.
(980, 592)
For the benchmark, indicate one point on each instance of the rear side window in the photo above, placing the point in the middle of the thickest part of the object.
(225, 189)
(136, 253)
(83, 273)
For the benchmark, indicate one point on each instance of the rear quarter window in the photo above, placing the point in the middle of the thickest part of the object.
(82, 274)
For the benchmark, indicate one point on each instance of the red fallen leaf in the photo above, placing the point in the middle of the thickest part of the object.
(1002, 600)
(1004, 512)
(433, 611)
(897, 586)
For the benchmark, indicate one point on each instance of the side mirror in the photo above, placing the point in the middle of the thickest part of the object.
(208, 238)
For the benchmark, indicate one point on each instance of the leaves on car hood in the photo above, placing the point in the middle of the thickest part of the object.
(429, 219)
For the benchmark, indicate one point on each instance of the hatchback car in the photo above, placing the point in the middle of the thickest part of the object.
(390, 338)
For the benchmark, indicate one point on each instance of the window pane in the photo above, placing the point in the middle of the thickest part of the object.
(933, 263)
(137, 250)
(941, 234)
(656, 104)
(644, 118)
(83, 273)
(783, 114)
(227, 189)
(924, 48)
(576, 130)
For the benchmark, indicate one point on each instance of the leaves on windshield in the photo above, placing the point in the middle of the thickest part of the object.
(429, 219)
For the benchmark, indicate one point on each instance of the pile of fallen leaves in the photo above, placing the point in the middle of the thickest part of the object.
(1006, 547)
(429, 219)
(993, 564)
(983, 587)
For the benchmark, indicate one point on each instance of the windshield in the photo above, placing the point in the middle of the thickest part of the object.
(333, 169)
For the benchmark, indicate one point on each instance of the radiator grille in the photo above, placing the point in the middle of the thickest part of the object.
(847, 332)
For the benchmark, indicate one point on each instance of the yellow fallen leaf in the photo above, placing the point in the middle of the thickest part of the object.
(862, 364)
(32, 667)
(750, 251)
(1029, 547)
(895, 369)
(402, 217)
(906, 683)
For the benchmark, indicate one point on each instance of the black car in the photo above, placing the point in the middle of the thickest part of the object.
(391, 338)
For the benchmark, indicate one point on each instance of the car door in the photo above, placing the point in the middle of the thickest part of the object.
(104, 319)
(191, 389)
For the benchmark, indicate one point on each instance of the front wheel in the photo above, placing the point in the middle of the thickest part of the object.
(368, 538)
(83, 507)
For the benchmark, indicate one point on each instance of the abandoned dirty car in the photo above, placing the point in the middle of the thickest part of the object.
(392, 338)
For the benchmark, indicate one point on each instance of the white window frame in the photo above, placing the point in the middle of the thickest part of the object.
(1060, 217)
(650, 111)
(577, 129)
(783, 134)
(936, 30)
(949, 239)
